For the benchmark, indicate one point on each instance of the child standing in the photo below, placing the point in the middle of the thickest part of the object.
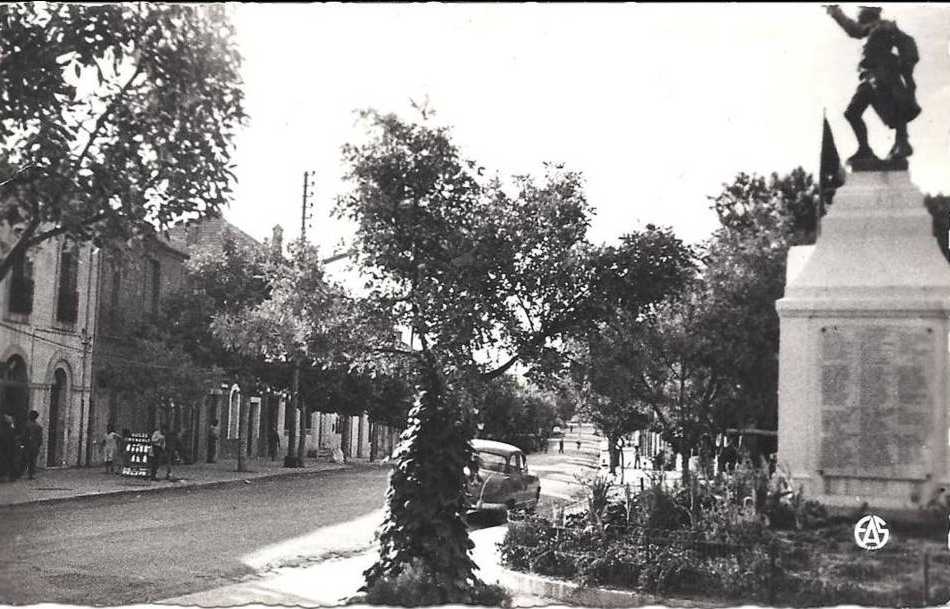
(110, 446)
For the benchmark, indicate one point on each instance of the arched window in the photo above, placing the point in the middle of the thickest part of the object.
(67, 300)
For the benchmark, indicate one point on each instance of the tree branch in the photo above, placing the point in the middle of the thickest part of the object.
(105, 114)
(59, 230)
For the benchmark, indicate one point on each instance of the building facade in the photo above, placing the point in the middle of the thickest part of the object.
(48, 305)
(134, 279)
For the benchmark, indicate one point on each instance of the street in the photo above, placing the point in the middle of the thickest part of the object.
(141, 548)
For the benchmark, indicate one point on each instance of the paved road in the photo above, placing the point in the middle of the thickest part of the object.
(140, 548)
(130, 549)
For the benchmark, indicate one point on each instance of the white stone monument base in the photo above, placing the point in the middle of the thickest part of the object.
(863, 353)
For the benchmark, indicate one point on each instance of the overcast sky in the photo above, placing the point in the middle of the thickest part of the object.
(657, 105)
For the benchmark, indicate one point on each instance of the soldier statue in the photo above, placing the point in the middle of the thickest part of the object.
(886, 80)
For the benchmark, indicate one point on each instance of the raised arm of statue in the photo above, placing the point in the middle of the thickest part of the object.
(849, 25)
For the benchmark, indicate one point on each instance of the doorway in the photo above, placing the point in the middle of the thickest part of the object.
(57, 416)
(15, 390)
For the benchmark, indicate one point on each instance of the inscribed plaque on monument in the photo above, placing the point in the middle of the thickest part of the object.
(877, 387)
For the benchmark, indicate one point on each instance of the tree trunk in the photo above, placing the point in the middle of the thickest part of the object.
(684, 453)
(291, 460)
(302, 437)
(373, 437)
(345, 436)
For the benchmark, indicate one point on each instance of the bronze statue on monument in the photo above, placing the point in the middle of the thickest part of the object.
(886, 84)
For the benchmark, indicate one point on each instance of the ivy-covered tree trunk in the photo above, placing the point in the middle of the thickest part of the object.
(425, 505)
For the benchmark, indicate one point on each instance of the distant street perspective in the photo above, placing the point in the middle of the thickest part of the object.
(496, 305)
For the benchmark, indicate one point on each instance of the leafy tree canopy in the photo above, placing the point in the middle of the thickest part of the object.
(114, 118)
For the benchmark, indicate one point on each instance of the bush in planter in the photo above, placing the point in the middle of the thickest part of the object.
(417, 586)
(655, 508)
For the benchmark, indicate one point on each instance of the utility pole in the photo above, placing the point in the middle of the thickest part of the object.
(309, 179)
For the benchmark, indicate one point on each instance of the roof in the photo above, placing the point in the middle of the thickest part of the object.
(210, 232)
(498, 448)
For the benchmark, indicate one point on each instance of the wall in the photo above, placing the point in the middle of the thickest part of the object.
(128, 295)
(46, 345)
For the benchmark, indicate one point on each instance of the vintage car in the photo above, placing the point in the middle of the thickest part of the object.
(502, 480)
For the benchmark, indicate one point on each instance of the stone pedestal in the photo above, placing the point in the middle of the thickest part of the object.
(863, 357)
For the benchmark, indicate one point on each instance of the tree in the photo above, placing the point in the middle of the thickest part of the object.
(305, 321)
(114, 118)
(144, 365)
(744, 275)
(485, 275)
(512, 413)
(218, 281)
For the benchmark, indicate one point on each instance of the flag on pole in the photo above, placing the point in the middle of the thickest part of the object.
(831, 174)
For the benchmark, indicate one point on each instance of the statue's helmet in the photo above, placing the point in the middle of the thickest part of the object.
(868, 14)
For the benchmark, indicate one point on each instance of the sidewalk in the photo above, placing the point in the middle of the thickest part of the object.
(69, 483)
(331, 582)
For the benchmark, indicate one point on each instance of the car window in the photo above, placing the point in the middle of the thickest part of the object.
(517, 462)
(492, 462)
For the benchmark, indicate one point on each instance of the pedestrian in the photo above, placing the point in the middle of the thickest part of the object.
(213, 433)
(578, 446)
(8, 444)
(32, 440)
(172, 448)
(110, 448)
(571, 427)
(728, 457)
(560, 446)
(159, 453)
(274, 444)
(636, 456)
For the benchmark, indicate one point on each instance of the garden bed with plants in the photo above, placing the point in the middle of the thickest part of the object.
(741, 538)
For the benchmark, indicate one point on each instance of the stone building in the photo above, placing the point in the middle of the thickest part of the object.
(135, 277)
(48, 305)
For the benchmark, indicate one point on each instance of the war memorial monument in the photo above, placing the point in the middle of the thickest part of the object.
(863, 361)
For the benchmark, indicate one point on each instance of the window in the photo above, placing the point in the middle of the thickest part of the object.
(492, 462)
(67, 299)
(21, 286)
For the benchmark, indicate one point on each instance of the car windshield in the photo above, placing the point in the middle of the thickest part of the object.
(492, 462)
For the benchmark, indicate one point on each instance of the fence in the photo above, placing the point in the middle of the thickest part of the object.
(774, 571)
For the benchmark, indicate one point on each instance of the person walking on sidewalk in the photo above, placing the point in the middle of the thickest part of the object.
(560, 446)
(213, 433)
(32, 440)
(160, 454)
(110, 448)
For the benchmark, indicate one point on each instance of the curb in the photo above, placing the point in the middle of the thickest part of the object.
(297, 473)
(571, 593)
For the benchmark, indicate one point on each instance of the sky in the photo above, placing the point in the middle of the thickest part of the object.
(657, 105)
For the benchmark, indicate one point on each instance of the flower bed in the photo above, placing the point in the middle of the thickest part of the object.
(715, 545)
